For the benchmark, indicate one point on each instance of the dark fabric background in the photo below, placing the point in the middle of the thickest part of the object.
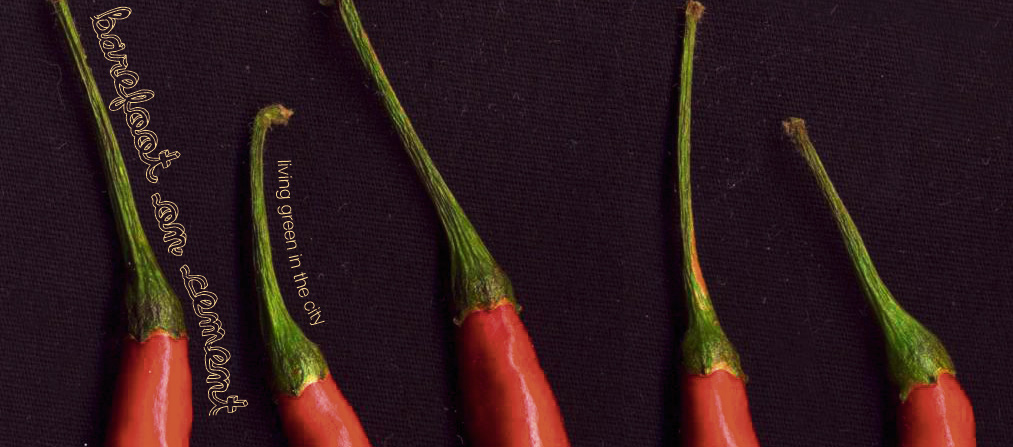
(553, 123)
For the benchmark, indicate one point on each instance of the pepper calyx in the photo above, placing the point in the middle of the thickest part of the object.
(296, 362)
(485, 289)
(706, 348)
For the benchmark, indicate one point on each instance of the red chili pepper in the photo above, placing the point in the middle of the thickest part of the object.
(507, 399)
(504, 389)
(715, 408)
(313, 411)
(152, 404)
(717, 411)
(937, 415)
(934, 410)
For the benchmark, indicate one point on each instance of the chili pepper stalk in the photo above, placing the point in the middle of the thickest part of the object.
(152, 404)
(934, 409)
(151, 303)
(313, 410)
(506, 397)
(705, 348)
(295, 360)
(715, 407)
(478, 281)
(915, 355)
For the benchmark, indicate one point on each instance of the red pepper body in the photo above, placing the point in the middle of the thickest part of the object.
(507, 399)
(715, 411)
(152, 406)
(937, 415)
(320, 416)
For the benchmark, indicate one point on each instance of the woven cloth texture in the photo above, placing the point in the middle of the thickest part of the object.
(553, 123)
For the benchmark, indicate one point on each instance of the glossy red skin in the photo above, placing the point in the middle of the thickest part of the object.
(715, 411)
(937, 415)
(152, 405)
(507, 399)
(321, 417)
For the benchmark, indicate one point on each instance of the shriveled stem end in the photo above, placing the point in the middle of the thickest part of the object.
(694, 10)
(794, 127)
(274, 114)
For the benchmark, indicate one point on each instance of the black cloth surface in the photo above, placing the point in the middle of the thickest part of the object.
(553, 123)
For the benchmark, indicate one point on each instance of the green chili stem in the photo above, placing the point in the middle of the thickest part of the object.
(151, 303)
(915, 355)
(705, 347)
(479, 282)
(295, 360)
(696, 288)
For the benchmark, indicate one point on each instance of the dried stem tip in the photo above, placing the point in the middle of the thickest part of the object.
(694, 9)
(794, 127)
(276, 114)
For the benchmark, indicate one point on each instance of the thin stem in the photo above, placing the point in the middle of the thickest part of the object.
(705, 347)
(916, 355)
(696, 288)
(151, 304)
(479, 282)
(872, 285)
(128, 225)
(267, 282)
(295, 360)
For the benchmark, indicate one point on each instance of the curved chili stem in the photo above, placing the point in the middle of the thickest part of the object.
(296, 361)
(150, 302)
(478, 281)
(915, 355)
(705, 348)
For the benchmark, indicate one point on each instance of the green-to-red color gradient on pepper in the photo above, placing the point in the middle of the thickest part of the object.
(152, 404)
(934, 409)
(715, 408)
(507, 401)
(313, 411)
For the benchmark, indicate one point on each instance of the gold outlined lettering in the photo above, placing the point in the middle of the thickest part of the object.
(301, 279)
(215, 357)
(127, 99)
(165, 215)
